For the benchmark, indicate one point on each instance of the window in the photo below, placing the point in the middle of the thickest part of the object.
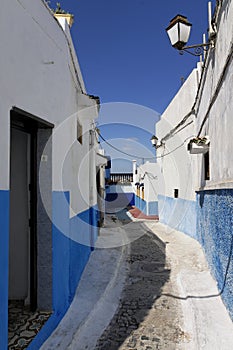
(109, 165)
(142, 193)
(79, 132)
(206, 166)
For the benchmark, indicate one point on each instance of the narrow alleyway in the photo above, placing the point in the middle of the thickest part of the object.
(153, 293)
(144, 319)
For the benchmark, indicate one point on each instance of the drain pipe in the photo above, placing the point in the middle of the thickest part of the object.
(211, 31)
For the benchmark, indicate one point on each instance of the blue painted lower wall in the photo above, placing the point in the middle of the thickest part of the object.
(4, 247)
(210, 221)
(119, 200)
(140, 204)
(148, 208)
(153, 208)
(73, 241)
(215, 233)
(123, 199)
(70, 252)
(179, 214)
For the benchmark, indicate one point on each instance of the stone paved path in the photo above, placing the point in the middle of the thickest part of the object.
(145, 318)
(146, 287)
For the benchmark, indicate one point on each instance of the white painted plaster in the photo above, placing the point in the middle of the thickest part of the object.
(150, 175)
(205, 318)
(219, 122)
(176, 164)
(41, 75)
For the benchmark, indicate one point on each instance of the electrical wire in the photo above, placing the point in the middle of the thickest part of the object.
(172, 131)
(182, 144)
(118, 150)
(217, 90)
(136, 156)
(185, 126)
(150, 175)
(194, 108)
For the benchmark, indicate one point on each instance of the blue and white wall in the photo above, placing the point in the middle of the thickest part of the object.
(118, 197)
(177, 167)
(214, 118)
(40, 74)
(147, 178)
(204, 208)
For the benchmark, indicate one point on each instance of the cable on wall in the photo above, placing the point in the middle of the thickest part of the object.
(181, 123)
(118, 150)
(136, 156)
(200, 87)
(218, 87)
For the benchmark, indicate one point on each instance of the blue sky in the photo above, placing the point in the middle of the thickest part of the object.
(125, 56)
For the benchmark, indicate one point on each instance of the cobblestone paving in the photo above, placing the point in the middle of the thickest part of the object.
(146, 319)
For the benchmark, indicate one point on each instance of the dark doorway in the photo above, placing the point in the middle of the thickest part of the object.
(207, 166)
(30, 236)
(23, 199)
(30, 137)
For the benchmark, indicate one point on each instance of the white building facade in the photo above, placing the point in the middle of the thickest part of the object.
(177, 199)
(198, 196)
(147, 183)
(48, 199)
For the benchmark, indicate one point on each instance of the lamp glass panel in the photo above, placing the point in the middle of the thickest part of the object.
(154, 141)
(184, 32)
(173, 34)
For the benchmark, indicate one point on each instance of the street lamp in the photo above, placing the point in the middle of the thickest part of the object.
(154, 140)
(179, 31)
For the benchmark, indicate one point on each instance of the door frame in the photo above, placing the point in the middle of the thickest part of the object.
(26, 122)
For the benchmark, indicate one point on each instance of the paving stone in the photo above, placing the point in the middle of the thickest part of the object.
(142, 318)
(155, 339)
(144, 337)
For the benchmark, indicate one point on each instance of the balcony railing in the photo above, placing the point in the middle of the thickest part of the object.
(121, 177)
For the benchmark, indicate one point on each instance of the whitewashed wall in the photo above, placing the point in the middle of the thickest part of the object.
(176, 201)
(176, 164)
(149, 174)
(34, 44)
(218, 88)
(150, 177)
(40, 75)
(214, 118)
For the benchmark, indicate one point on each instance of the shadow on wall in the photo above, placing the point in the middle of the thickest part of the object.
(146, 276)
(225, 8)
(201, 199)
(115, 201)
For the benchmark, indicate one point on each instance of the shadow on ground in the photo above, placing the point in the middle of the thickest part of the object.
(146, 276)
